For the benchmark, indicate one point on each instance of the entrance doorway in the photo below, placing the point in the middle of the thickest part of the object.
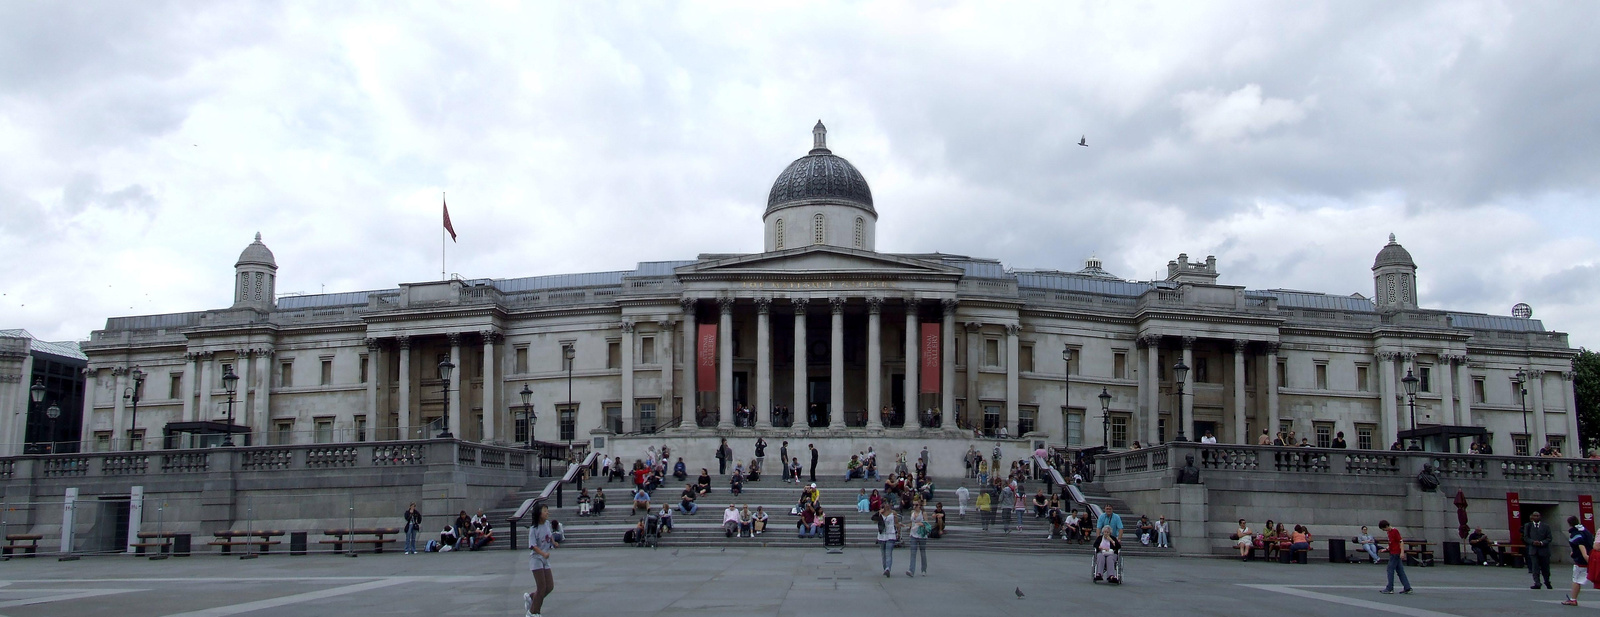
(818, 391)
(1201, 428)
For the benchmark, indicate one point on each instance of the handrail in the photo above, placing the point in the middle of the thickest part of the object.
(1067, 487)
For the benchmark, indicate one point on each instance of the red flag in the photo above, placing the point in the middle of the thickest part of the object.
(930, 359)
(706, 358)
(447, 226)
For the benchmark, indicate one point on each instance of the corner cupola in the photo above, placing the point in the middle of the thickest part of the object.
(1394, 278)
(255, 277)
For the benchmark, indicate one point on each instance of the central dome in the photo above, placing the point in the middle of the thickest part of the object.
(820, 176)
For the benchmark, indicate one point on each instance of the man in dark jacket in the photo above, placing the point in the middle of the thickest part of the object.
(1536, 536)
(722, 457)
(814, 455)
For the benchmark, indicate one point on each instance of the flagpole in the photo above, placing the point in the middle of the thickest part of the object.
(442, 199)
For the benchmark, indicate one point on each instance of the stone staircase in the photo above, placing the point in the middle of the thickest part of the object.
(838, 498)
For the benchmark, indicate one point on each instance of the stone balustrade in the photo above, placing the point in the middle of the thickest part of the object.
(159, 463)
(1333, 463)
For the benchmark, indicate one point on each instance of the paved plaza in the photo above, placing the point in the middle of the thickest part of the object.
(738, 581)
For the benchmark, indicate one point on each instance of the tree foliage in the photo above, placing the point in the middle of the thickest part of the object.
(1586, 388)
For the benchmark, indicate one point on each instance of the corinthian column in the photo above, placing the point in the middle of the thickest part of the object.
(491, 386)
(913, 363)
(454, 395)
(875, 362)
(800, 409)
(947, 360)
(725, 363)
(403, 425)
(1240, 435)
(836, 365)
(763, 407)
(691, 354)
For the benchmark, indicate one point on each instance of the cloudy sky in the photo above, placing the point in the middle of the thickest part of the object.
(143, 144)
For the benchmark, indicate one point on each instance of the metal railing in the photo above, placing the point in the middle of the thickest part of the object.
(553, 487)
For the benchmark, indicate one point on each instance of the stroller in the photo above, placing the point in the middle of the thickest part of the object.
(652, 532)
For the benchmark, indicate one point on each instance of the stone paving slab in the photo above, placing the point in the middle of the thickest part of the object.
(753, 581)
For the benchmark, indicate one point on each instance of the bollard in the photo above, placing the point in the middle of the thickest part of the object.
(559, 486)
(297, 543)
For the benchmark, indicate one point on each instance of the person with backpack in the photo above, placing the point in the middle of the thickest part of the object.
(724, 453)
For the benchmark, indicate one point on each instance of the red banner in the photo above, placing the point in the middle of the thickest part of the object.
(930, 359)
(1586, 511)
(1514, 517)
(706, 358)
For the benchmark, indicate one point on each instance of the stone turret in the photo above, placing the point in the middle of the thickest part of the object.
(1394, 278)
(255, 278)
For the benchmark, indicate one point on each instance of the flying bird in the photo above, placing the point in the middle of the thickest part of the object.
(1084, 141)
(1019, 592)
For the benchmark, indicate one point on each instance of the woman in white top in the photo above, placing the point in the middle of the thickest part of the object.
(918, 541)
(887, 534)
(541, 540)
(1244, 540)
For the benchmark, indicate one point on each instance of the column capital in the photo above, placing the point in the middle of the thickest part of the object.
(688, 304)
(403, 341)
(949, 305)
(665, 324)
(492, 337)
(1569, 375)
(1272, 347)
(725, 305)
(1150, 340)
(1386, 356)
(1188, 342)
(1534, 374)
(627, 326)
(193, 356)
(208, 354)
(799, 305)
(1239, 345)
(836, 304)
(1013, 329)
(763, 305)
(874, 305)
(973, 326)
(118, 371)
(1408, 356)
(263, 352)
(373, 345)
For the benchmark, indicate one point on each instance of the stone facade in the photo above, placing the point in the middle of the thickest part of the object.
(830, 331)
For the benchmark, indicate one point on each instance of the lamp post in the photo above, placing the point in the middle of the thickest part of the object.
(133, 394)
(1105, 418)
(568, 352)
(230, 382)
(1180, 372)
(1522, 401)
(445, 367)
(53, 412)
(1411, 382)
(1066, 379)
(36, 394)
(527, 412)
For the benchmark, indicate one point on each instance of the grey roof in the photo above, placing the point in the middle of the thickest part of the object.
(1304, 299)
(349, 298)
(257, 253)
(559, 281)
(1067, 281)
(154, 322)
(65, 349)
(820, 175)
(1495, 322)
(1392, 254)
(660, 268)
(980, 268)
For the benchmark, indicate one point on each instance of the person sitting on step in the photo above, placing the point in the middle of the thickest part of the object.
(686, 502)
(641, 501)
(759, 520)
(730, 521)
(703, 483)
(679, 471)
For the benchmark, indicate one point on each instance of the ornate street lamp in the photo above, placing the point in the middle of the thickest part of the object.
(527, 412)
(445, 367)
(1180, 372)
(53, 412)
(1105, 418)
(1410, 382)
(134, 393)
(1522, 401)
(36, 394)
(230, 382)
(568, 352)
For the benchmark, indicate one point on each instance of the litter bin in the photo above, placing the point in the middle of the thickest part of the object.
(1336, 551)
(180, 545)
(1452, 553)
(297, 543)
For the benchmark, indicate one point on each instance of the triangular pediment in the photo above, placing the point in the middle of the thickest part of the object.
(819, 259)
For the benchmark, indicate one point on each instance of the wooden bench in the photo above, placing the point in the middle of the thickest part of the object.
(348, 536)
(227, 539)
(1419, 552)
(14, 542)
(154, 539)
(1510, 554)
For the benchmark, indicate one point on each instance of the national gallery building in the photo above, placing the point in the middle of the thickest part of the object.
(822, 335)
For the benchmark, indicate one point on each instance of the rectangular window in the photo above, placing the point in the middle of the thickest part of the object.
(561, 354)
(175, 386)
(522, 429)
(324, 431)
(1283, 374)
(614, 418)
(1074, 428)
(285, 374)
(1249, 372)
(569, 422)
(647, 417)
(136, 440)
(1363, 382)
(102, 441)
(1364, 435)
(1557, 441)
(991, 420)
(363, 369)
(283, 432)
(1119, 365)
(327, 372)
(1119, 431)
(361, 428)
(1025, 357)
(521, 361)
(647, 350)
(991, 352)
(1161, 368)
(1025, 419)
(1286, 426)
(613, 354)
(1479, 394)
(1426, 375)
(1076, 361)
(1519, 444)
(1322, 375)
(1324, 432)
(1161, 430)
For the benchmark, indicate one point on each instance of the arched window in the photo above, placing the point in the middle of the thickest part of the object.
(817, 227)
(861, 231)
(777, 234)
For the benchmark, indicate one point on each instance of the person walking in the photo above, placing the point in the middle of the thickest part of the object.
(1536, 537)
(917, 540)
(541, 540)
(783, 460)
(413, 525)
(961, 500)
(723, 454)
(1582, 542)
(814, 455)
(1397, 558)
(887, 534)
(761, 454)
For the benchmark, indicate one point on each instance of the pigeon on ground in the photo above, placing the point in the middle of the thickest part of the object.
(1019, 592)
(674, 552)
(723, 550)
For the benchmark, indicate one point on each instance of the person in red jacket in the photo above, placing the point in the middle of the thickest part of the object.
(1397, 558)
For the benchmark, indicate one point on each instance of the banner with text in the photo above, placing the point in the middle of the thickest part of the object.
(930, 359)
(1586, 511)
(706, 358)
(1514, 517)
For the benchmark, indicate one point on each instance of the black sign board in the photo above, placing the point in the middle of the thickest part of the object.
(833, 531)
